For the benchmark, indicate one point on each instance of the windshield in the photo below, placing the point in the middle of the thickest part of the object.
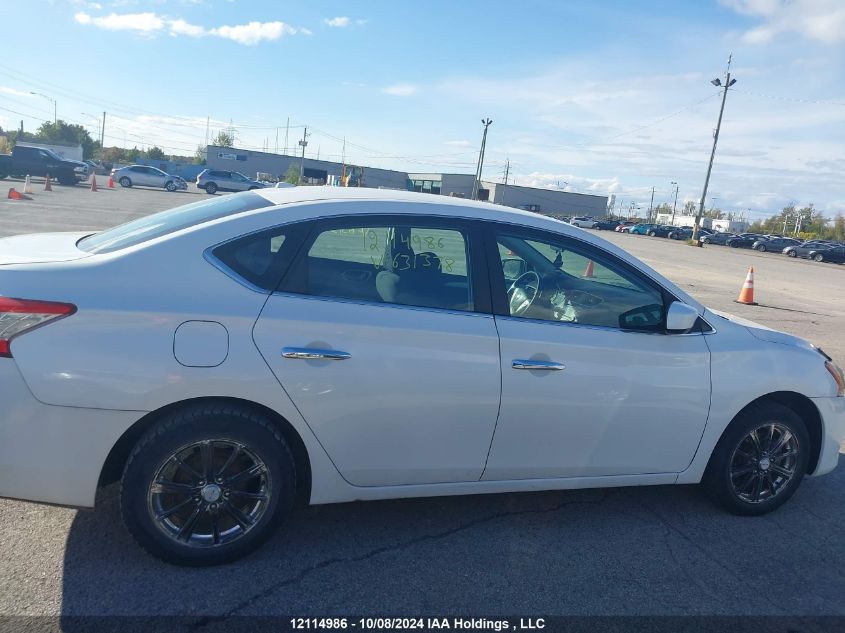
(170, 221)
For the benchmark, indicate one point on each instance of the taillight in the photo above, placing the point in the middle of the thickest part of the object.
(21, 315)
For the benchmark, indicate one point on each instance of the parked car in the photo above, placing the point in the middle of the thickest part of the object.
(39, 161)
(214, 180)
(716, 238)
(641, 229)
(774, 244)
(624, 226)
(744, 240)
(685, 233)
(660, 230)
(606, 225)
(805, 248)
(584, 222)
(145, 176)
(282, 364)
(835, 254)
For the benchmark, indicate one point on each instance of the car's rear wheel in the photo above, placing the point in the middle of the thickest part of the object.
(125, 181)
(211, 188)
(652, 233)
(733, 244)
(207, 485)
(760, 460)
(818, 257)
(792, 253)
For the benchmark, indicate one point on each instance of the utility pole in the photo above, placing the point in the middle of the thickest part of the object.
(103, 137)
(651, 205)
(716, 82)
(207, 121)
(675, 205)
(276, 146)
(287, 130)
(507, 173)
(303, 143)
(477, 184)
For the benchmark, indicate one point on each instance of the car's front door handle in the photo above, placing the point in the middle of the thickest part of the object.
(542, 365)
(310, 353)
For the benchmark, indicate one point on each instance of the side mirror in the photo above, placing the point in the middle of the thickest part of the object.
(680, 318)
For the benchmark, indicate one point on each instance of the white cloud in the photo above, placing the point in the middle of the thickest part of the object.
(152, 24)
(339, 22)
(85, 4)
(140, 22)
(819, 20)
(400, 90)
(14, 91)
(458, 143)
(254, 32)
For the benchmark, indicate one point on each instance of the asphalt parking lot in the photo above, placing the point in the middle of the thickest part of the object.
(631, 551)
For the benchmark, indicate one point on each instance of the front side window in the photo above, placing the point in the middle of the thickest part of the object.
(558, 279)
(390, 263)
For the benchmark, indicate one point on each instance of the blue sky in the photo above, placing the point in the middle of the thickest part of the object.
(593, 96)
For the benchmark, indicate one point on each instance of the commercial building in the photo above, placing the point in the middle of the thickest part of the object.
(730, 226)
(545, 201)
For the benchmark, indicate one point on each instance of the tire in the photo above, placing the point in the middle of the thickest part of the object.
(186, 433)
(792, 253)
(170, 186)
(818, 257)
(211, 188)
(761, 248)
(735, 490)
(652, 233)
(733, 244)
(125, 182)
(252, 188)
(705, 240)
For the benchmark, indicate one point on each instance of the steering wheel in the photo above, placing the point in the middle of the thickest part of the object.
(523, 292)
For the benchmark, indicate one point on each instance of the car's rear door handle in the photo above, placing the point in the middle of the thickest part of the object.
(542, 365)
(310, 353)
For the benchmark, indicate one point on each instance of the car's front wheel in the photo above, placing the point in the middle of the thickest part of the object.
(760, 460)
(818, 257)
(125, 181)
(761, 248)
(207, 485)
(170, 186)
(792, 253)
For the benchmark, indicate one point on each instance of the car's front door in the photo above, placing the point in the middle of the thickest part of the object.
(591, 383)
(382, 336)
(239, 183)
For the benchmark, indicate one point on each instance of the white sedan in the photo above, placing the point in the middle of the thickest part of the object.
(232, 357)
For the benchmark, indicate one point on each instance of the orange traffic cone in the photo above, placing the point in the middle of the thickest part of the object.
(746, 295)
(17, 195)
(588, 272)
(93, 182)
(111, 182)
(47, 185)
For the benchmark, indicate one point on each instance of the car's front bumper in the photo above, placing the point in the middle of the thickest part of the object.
(832, 411)
(49, 453)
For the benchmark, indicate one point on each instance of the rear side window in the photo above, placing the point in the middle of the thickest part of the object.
(262, 258)
(166, 222)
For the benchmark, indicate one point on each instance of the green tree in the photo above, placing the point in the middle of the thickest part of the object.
(155, 153)
(224, 139)
(200, 155)
(67, 133)
(292, 174)
(839, 227)
(690, 208)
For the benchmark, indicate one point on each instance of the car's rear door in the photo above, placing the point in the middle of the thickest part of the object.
(382, 336)
(591, 384)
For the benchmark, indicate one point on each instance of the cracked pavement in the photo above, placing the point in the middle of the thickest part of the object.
(636, 551)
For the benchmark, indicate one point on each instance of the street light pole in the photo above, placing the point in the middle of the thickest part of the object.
(716, 82)
(477, 184)
(303, 143)
(55, 116)
(675, 205)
